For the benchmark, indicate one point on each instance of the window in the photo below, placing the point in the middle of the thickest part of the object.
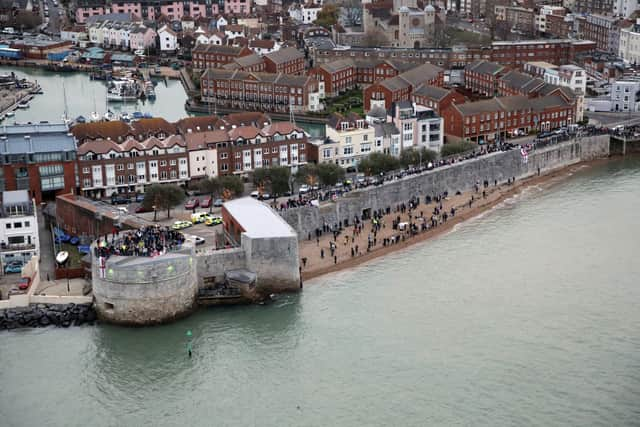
(347, 150)
(173, 161)
(120, 167)
(224, 155)
(17, 225)
(85, 170)
(163, 163)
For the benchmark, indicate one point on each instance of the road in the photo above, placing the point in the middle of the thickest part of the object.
(55, 14)
(613, 119)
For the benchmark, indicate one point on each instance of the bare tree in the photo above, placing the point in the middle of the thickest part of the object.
(375, 38)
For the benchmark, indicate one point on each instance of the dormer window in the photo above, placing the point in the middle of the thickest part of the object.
(344, 125)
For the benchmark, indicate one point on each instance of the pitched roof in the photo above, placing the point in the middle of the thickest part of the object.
(146, 126)
(105, 130)
(432, 92)
(244, 132)
(197, 124)
(282, 128)
(200, 140)
(262, 44)
(99, 146)
(336, 66)
(254, 118)
(284, 55)
(521, 81)
(485, 67)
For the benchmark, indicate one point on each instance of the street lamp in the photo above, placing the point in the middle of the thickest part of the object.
(62, 260)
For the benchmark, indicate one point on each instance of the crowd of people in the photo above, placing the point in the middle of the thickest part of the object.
(148, 241)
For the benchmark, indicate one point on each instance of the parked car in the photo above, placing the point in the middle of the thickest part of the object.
(179, 225)
(199, 217)
(117, 199)
(265, 196)
(255, 194)
(139, 198)
(218, 203)
(24, 283)
(13, 267)
(192, 204)
(303, 189)
(199, 240)
(142, 209)
(206, 202)
(213, 220)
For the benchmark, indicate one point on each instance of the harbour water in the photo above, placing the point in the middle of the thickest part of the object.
(527, 315)
(85, 96)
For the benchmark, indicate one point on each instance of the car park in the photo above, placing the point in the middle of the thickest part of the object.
(180, 225)
(213, 220)
(192, 204)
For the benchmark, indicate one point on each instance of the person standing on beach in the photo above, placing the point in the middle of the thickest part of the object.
(335, 259)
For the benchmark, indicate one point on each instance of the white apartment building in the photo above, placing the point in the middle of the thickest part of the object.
(419, 126)
(168, 39)
(19, 239)
(624, 8)
(348, 139)
(625, 95)
(304, 13)
(629, 48)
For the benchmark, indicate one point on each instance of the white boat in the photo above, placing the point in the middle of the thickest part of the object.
(109, 116)
(125, 117)
(23, 105)
(123, 91)
(62, 257)
(10, 113)
(95, 117)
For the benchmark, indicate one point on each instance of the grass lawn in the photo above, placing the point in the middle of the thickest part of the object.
(74, 255)
(350, 101)
(458, 36)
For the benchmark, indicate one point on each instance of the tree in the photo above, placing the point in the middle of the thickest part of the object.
(456, 148)
(279, 180)
(376, 163)
(162, 196)
(375, 38)
(210, 186)
(415, 157)
(232, 184)
(307, 174)
(328, 16)
(275, 178)
(330, 174)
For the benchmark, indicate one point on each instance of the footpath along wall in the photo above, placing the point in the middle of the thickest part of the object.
(457, 177)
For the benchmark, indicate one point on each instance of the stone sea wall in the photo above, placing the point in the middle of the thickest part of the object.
(41, 315)
(457, 177)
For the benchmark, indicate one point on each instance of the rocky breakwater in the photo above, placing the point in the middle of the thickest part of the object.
(41, 315)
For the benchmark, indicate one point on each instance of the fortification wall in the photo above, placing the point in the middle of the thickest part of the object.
(275, 261)
(213, 263)
(457, 177)
(148, 292)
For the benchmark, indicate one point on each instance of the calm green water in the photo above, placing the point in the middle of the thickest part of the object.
(85, 96)
(528, 315)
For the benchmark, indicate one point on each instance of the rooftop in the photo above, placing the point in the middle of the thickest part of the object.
(37, 138)
(257, 219)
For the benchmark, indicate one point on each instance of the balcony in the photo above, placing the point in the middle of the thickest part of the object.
(14, 247)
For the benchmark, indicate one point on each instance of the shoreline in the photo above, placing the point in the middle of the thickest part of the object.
(504, 191)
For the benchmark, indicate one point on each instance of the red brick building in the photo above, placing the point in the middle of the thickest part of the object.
(558, 26)
(260, 91)
(436, 98)
(482, 77)
(400, 88)
(251, 63)
(491, 119)
(240, 150)
(337, 76)
(215, 56)
(515, 54)
(106, 167)
(287, 60)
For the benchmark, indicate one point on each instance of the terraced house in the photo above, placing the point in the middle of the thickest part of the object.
(107, 167)
(260, 91)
